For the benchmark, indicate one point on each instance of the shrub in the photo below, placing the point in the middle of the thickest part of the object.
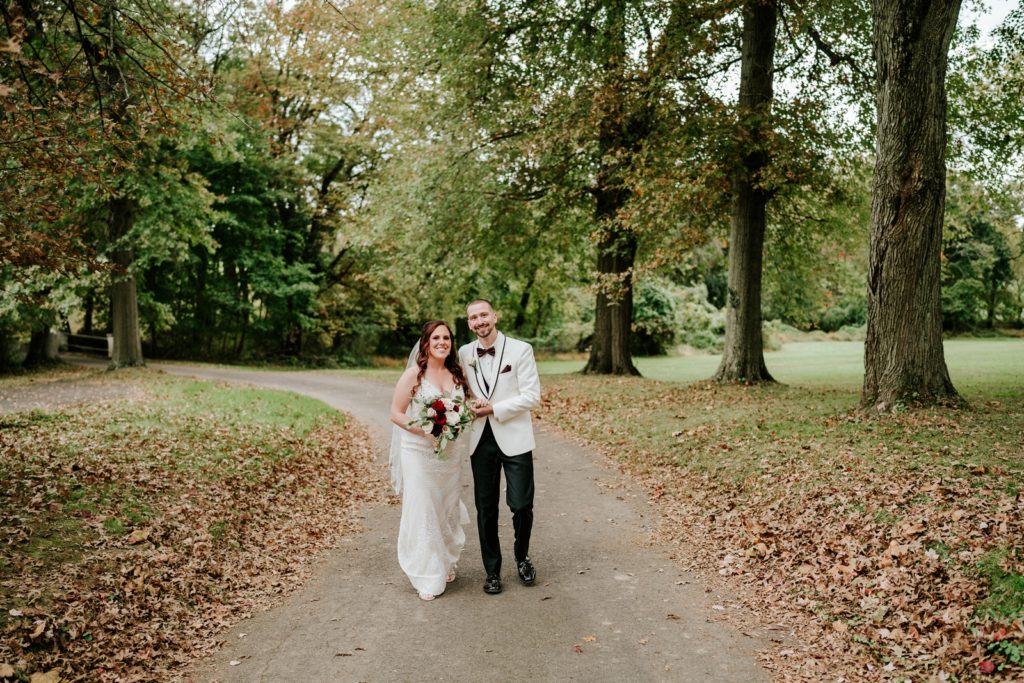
(701, 325)
(847, 312)
(655, 317)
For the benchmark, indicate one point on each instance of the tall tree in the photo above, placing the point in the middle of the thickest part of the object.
(903, 353)
(559, 103)
(743, 354)
(93, 82)
(619, 131)
(313, 87)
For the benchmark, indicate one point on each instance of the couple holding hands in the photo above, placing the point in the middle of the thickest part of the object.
(496, 378)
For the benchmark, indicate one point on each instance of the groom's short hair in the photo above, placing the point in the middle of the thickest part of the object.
(480, 301)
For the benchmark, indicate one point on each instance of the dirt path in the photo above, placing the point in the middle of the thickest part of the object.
(606, 607)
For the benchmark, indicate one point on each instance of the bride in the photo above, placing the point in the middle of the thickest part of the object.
(430, 535)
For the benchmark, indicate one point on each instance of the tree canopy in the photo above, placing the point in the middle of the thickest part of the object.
(310, 180)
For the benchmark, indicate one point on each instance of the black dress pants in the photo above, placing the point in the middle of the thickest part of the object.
(487, 462)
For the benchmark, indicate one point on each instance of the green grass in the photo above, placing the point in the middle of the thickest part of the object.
(274, 409)
(780, 422)
(989, 363)
(995, 366)
(1005, 601)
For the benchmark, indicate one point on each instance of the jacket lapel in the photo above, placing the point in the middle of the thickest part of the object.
(478, 375)
(499, 356)
(486, 384)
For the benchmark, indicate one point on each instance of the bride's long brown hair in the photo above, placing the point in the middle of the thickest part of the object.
(451, 362)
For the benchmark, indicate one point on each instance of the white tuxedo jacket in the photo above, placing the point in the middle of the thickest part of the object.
(512, 387)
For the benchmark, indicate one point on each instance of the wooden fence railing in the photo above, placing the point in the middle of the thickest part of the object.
(89, 343)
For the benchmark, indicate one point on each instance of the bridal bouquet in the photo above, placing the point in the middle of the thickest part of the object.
(443, 417)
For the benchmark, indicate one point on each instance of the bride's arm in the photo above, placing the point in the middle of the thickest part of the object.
(400, 401)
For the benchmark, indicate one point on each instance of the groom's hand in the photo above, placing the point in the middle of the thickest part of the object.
(482, 408)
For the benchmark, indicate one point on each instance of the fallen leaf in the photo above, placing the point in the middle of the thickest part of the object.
(40, 627)
(137, 536)
(51, 676)
(589, 639)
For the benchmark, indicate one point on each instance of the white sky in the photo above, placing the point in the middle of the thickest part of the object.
(988, 15)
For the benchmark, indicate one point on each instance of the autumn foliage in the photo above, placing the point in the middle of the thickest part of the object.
(874, 551)
(132, 539)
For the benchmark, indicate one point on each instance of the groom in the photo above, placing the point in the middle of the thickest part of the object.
(503, 376)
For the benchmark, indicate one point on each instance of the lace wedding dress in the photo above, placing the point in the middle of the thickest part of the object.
(430, 536)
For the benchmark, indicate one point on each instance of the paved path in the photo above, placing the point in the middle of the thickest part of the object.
(605, 608)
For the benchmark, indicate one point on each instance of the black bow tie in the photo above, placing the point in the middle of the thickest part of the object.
(481, 351)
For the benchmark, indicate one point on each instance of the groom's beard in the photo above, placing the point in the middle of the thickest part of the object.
(484, 332)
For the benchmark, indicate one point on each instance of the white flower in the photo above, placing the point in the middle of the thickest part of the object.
(448, 404)
(431, 412)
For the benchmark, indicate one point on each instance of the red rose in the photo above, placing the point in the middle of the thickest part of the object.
(438, 405)
(440, 419)
(987, 667)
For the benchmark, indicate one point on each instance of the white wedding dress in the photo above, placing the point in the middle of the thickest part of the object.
(430, 536)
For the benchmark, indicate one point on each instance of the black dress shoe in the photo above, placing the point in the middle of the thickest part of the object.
(527, 574)
(493, 584)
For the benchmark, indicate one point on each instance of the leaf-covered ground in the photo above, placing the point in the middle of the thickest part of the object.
(891, 549)
(135, 531)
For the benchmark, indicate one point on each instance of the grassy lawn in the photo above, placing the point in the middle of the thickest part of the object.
(131, 521)
(989, 363)
(892, 547)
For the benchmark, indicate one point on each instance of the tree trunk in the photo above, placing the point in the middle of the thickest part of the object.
(616, 247)
(90, 304)
(125, 317)
(40, 350)
(609, 351)
(524, 301)
(903, 354)
(201, 308)
(243, 299)
(8, 351)
(743, 355)
(990, 308)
